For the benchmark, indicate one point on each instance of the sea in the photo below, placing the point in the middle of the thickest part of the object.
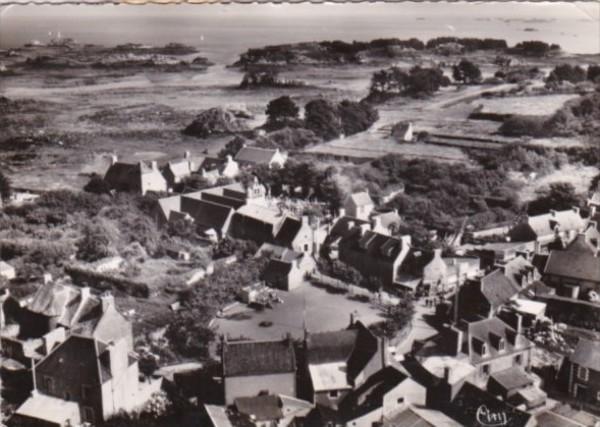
(222, 32)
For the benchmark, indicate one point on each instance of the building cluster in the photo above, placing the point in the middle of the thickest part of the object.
(68, 352)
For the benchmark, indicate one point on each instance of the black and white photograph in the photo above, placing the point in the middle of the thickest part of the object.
(376, 214)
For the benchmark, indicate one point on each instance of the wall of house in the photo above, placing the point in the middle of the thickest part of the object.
(503, 362)
(121, 392)
(368, 266)
(295, 278)
(252, 385)
(325, 399)
(585, 391)
(408, 391)
(153, 182)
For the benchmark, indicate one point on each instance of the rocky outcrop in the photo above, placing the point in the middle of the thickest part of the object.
(218, 121)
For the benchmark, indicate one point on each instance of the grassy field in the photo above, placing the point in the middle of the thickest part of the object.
(541, 105)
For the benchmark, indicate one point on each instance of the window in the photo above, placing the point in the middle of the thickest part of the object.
(518, 359)
(483, 349)
(582, 373)
(400, 400)
(88, 414)
(306, 247)
(333, 393)
(598, 395)
(501, 344)
(485, 369)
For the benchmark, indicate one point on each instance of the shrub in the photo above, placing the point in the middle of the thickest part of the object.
(567, 72)
(94, 244)
(323, 119)
(557, 196)
(356, 116)
(282, 107)
(521, 125)
(466, 72)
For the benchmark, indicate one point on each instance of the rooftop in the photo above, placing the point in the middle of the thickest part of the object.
(512, 378)
(51, 409)
(247, 358)
(587, 354)
(329, 376)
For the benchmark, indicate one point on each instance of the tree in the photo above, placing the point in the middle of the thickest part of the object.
(94, 244)
(567, 72)
(593, 73)
(356, 116)
(189, 332)
(396, 317)
(466, 72)
(194, 182)
(282, 107)
(5, 187)
(557, 196)
(323, 119)
(232, 147)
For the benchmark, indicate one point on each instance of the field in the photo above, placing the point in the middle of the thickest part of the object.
(541, 105)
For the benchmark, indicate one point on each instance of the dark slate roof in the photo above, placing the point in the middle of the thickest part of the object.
(255, 155)
(374, 245)
(576, 261)
(487, 330)
(342, 226)
(258, 358)
(260, 408)
(369, 396)
(355, 345)
(463, 408)
(497, 288)
(288, 231)
(206, 214)
(587, 354)
(326, 347)
(512, 378)
(125, 176)
(276, 270)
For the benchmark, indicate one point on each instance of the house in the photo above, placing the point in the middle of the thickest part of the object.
(546, 228)
(483, 297)
(446, 274)
(177, 170)
(374, 254)
(301, 235)
(402, 132)
(359, 205)
(340, 361)
(264, 410)
(251, 368)
(7, 271)
(135, 177)
(386, 222)
(213, 168)
(574, 271)
(286, 268)
(413, 416)
(84, 379)
(251, 156)
(380, 396)
(516, 387)
(581, 372)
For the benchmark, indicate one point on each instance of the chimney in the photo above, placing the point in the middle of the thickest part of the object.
(229, 159)
(364, 228)
(305, 220)
(154, 165)
(85, 292)
(113, 159)
(376, 223)
(406, 241)
(186, 155)
(350, 225)
(341, 212)
(107, 299)
(47, 278)
(447, 371)
(353, 316)
(456, 343)
(437, 254)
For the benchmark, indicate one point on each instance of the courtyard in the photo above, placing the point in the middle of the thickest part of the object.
(314, 307)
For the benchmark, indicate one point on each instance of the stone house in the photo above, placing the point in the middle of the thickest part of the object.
(176, 171)
(287, 269)
(251, 156)
(251, 368)
(580, 372)
(374, 254)
(446, 274)
(574, 271)
(138, 177)
(359, 205)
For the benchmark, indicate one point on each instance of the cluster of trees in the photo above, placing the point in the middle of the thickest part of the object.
(523, 158)
(416, 82)
(557, 196)
(566, 73)
(468, 43)
(439, 196)
(396, 317)
(466, 72)
(323, 118)
(266, 77)
(535, 48)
